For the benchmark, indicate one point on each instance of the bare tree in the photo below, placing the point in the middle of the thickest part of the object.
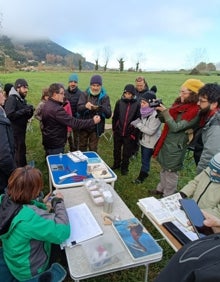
(140, 59)
(96, 64)
(196, 56)
(121, 64)
(107, 52)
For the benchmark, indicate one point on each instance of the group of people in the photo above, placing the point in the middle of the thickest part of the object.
(139, 122)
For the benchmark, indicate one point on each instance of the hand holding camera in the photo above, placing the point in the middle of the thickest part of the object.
(155, 103)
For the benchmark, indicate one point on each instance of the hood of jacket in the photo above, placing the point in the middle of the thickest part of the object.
(8, 210)
(14, 92)
(100, 95)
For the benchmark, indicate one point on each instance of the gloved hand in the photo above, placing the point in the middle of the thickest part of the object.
(29, 110)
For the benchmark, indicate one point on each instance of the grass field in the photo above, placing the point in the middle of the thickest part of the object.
(168, 85)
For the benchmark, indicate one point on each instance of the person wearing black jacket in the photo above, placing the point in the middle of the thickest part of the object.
(55, 121)
(197, 261)
(7, 163)
(72, 94)
(125, 136)
(19, 112)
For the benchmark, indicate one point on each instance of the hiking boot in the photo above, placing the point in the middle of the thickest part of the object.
(156, 193)
(140, 179)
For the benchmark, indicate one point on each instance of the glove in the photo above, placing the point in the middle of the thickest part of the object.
(135, 122)
(29, 110)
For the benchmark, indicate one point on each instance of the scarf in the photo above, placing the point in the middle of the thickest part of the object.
(188, 111)
(146, 111)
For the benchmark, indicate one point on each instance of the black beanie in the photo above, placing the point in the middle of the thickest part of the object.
(148, 96)
(129, 88)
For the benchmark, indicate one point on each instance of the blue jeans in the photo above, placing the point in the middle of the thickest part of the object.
(146, 154)
(56, 273)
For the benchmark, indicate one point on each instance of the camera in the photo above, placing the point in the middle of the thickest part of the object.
(95, 108)
(155, 103)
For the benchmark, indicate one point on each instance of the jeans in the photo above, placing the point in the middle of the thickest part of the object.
(146, 154)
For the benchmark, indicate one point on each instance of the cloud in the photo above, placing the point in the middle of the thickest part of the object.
(165, 32)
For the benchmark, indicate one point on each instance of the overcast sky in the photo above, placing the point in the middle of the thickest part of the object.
(162, 35)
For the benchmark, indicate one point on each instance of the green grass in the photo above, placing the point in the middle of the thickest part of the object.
(168, 85)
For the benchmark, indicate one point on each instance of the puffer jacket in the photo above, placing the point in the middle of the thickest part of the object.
(125, 112)
(27, 231)
(205, 192)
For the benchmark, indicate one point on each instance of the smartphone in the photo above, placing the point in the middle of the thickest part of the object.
(195, 217)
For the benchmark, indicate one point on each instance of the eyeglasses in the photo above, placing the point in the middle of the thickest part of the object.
(184, 92)
(202, 101)
(61, 93)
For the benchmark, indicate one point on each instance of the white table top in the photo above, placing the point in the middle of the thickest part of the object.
(79, 267)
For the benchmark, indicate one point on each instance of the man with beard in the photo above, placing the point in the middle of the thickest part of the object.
(72, 94)
(19, 112)
(94, 101)
(207, 136)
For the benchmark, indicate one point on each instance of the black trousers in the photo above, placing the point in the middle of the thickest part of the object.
(123, 148)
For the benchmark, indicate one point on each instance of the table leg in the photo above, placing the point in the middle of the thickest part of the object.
(50, 183)
(146, 273)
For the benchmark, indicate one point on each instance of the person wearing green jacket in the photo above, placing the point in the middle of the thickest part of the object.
(28, 229)
(171, 147)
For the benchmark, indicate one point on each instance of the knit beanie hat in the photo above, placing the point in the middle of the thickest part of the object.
(129, 88)
(148, 96)
(96, 79)
(20, 82)
(193, 84)
(8, 87)
(73, 77)
(215, 163)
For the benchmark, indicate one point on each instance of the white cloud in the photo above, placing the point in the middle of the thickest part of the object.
(165, 32)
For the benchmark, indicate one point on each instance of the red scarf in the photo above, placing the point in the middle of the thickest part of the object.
(188, 112)
(205, 118)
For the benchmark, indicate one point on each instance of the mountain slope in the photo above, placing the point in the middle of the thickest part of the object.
(23, 51)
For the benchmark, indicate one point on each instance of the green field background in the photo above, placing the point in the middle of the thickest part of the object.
(168, 85)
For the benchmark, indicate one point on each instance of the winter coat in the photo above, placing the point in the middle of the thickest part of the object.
(210, 140)
(125, 112)
(27, 231)
(55, 121)
(73, 97)
(150, 128)
(104, 111)
(18, 111)
(205, 192)
(172, 153)
(7, 163)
